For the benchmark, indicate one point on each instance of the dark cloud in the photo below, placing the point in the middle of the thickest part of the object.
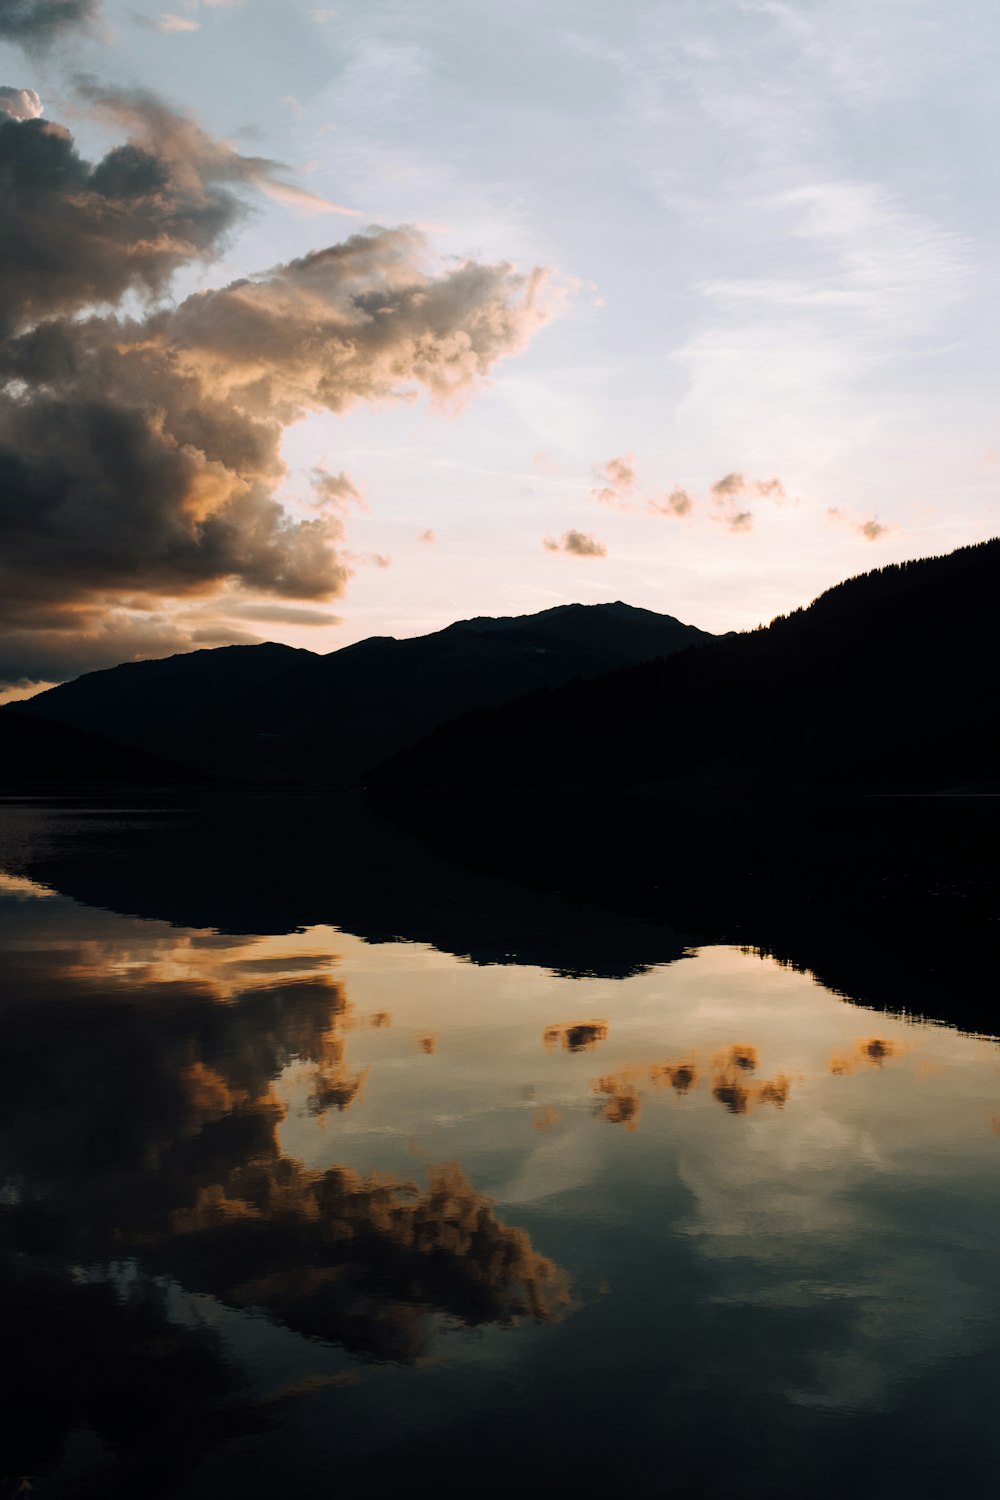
(741, 1057)
(622, 1101)
(733, 1088)
(78, 234)
(149, 1128)
(682, 1077)
(36, 24)
(49, 643)
(576, 544)
(576, 1036)
(140, 457)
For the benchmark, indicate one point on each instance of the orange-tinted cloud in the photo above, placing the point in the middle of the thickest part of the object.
(741, 1057)
(427, 1044)
(547, 1118)
(676, 502)
(682, 1077)
(197, 1174)
(727, 499)
(622, 1101)
(576, 544)
(872, 529)
(576, 1036)
(618, 480)
(868, 1052)
(141, 455)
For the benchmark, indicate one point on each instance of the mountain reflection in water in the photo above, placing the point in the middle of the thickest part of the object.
(284, 1207)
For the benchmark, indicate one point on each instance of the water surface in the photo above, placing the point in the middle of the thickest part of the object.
(290, 1209)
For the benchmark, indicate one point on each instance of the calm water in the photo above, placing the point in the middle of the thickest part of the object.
(290, 1210)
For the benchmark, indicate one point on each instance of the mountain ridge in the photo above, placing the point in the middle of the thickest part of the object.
(279, 715)
(881, 683)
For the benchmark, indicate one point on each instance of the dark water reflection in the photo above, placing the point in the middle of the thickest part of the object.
(285, 1208)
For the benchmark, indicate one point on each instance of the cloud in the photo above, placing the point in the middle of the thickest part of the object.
(868, 1052)
(622, 1101)
(871, 529)
(337, 490)
(576, 1036)
(19, 104)
(280, 614)
(44, 647)
(36, 24)
(577, 544)
(677, 503)
(311, 203)
(80, 234)
(427, 536)
(169, 23)
(726, 494)
(739, 1097)
(198, 1175)
(728, 486)
(682, 1077)
(618, 480)
(140, 457)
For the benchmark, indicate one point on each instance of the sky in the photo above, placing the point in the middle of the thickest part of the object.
(325, 321)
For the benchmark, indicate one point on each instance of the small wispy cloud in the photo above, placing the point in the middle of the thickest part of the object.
(618, 480)
(576, 544)
(336, 490)
(871, 528)
(675, 503)
(728, 498)
(310, 203)
(168, 22)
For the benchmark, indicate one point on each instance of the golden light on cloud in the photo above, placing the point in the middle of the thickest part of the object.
(575, 1036)
(301, 198)
(868, 1052)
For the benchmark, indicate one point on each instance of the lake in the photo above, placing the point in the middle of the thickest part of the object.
(294, 1199)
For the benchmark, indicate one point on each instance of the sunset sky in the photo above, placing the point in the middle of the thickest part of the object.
(689, 304)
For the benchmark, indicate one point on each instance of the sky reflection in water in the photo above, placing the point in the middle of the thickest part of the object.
(321, 1206)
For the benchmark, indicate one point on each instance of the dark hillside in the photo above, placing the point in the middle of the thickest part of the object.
(142, 702)
(36, 755)
(886, 682)
(270, 713)
(328, 720)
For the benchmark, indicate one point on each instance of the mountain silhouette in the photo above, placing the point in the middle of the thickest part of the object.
(37, 755)
(884, 683)
(269, 713)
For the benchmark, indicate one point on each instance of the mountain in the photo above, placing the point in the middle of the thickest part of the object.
(885, 683)
(36, 754)
(271, 714)
(142, 702)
